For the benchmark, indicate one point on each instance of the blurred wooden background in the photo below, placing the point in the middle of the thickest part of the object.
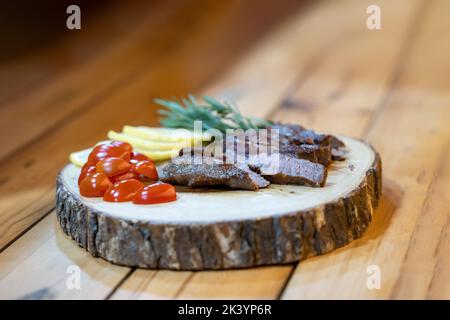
(313, 63)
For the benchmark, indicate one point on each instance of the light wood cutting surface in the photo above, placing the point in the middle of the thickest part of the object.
(315, 64)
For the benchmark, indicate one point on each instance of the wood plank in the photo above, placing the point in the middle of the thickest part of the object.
(152, 285)
(427, 254)
(350, 80)
(38, 267)
(407, 238)
(97, 73)
(28, 194)
(34, 67)
(255, 283)
(439, 285)
(66, 51)
(246, 284)
(254, 81)
(391, 241)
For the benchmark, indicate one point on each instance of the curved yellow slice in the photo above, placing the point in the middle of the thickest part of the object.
(157, 143)
(149, 145)
(158, 155)
(79, 158)
(164, 134)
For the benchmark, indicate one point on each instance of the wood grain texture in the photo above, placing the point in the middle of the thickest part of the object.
(209, 32)
(413, 134)
(38, 266)
(376, 68)
(181, 69)
(61, 51)
(321, 68)
(245, 284)
(68, 80)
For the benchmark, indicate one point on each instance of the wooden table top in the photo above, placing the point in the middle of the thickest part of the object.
(314, 64)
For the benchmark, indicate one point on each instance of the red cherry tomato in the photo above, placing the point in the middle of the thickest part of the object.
(125, 176)
(94, 185)
(122, 144)
(122, 191)
(137, 157)
(155, 193)
(103, 151)
(147, 169)
(113, 166)
(86, 170)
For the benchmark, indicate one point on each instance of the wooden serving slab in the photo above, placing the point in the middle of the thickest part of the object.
(221, 229)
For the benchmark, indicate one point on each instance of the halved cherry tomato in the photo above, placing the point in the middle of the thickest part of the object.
(122, 144)
(137, 157)
(125, 176)
(103, 151)
(94, 185)
(86, 170)
(155, 193)
(147, 169)
(122, 191)
(113, 166)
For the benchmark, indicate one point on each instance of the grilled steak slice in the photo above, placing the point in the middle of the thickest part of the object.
(284, 169)
(211, 173)
(326, 147)
(319, 154)
(297, 135)
(311, 152)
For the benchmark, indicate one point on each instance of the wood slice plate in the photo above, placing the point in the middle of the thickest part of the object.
(220, 229)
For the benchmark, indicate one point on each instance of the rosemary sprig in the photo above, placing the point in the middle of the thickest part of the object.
(181, 113)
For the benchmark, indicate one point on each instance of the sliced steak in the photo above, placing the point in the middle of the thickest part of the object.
(319, 154)
(211, 173)
(299, 135)
(284, 169)
(327, 148)
(301, 157)
(251, 144)
(311, 152)
(281, 168)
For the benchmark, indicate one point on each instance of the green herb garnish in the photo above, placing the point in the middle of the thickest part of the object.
(213, 114)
